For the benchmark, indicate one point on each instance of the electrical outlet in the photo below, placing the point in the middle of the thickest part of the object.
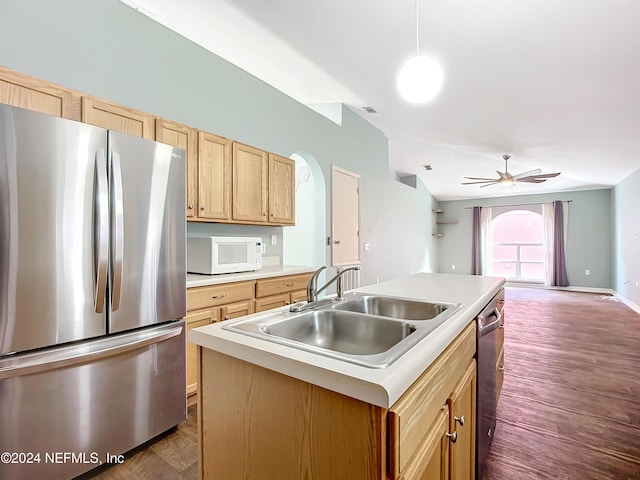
(367, 246)
(264, 248)
(587, 272)
(453, 267)
(274, 240)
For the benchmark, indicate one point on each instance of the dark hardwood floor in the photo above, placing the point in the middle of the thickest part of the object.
(570, 405)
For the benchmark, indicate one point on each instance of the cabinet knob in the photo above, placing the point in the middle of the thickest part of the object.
(264, 214)
(219, 296)
(501, 368)
(202, 208)
(460, 420)
(453, 436)
(227, 317)
(190, 206)
(272, 215)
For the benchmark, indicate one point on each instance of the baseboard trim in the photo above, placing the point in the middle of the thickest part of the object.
(626, 301)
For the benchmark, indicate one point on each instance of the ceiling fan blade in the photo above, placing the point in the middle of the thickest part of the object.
(530, 173)
(547, 175)
(481, 181)
(489, 184)
(531, 180)
(502, 175)
(481, 178)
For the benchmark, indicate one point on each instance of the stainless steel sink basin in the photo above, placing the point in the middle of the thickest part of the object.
(344, 332)
(393, 307)
(368, 330)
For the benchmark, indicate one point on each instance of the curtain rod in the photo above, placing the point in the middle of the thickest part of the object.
(517, 204)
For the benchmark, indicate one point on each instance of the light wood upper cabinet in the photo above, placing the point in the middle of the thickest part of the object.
(183, 137)
(282, 190)
(116, 117)
(27, 92)
(214, 177)
(250, 183)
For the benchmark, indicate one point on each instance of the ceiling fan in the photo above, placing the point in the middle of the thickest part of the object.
(506, 179)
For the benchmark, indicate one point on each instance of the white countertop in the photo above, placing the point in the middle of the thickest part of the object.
(380, 387)
(197, 280)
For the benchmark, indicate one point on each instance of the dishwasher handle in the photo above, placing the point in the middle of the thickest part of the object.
(489, 320)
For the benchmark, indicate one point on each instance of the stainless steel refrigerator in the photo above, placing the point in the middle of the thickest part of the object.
(92, 292)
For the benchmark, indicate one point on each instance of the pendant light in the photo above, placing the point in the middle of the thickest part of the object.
(421, 77)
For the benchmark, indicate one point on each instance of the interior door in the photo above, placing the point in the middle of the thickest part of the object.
(345, 243)
(148, 232)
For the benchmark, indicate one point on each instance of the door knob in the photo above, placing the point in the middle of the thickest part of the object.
(337, 242)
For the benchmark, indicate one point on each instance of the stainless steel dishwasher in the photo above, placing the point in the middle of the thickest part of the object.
(488, 324)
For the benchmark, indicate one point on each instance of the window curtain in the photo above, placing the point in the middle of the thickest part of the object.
(481, 241)
(554, 220)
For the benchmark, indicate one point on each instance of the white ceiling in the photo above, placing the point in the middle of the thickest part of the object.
(555, 84)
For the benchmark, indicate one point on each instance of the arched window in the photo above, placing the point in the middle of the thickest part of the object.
(518, 251)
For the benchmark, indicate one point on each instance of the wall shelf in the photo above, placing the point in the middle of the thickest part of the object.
(438, 211)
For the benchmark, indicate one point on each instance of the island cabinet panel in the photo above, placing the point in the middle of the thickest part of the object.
(462, 408)
(411, 418)
(20, 90)
(269, 426)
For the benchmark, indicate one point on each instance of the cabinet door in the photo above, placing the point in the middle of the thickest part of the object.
(214, 177)
(193, 320)
(116, 117)
(24, 91)
(275, 301)
(235, 310)
(250, 173)
(462, 406)
(183, 137)
(432, 461)
(282, 190)
(299, 296)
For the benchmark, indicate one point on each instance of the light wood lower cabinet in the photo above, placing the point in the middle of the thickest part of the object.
(281, 291)
(193, 320)
(235, 310)
(269, 425)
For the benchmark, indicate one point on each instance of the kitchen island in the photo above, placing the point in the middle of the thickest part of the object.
(272, 411)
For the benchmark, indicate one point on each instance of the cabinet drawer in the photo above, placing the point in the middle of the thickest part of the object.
(278, 285)
(215, 295)
(499, 374)
(411, 417)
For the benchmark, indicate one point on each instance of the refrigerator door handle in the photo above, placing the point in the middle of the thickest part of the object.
(78, 354)
(101, 230)
(117, 230)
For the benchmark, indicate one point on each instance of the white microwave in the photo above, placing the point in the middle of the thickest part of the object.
(213, 255)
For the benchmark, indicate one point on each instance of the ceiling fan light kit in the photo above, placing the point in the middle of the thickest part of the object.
(420, 78)
(508, 180)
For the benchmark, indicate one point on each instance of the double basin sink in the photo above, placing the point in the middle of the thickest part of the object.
(368, 330)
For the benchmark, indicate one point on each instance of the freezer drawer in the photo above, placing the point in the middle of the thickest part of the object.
(78, 406)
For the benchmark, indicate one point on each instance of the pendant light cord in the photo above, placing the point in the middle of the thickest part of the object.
(417, 33)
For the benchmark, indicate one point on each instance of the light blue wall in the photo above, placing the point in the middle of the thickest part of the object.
(589, 238)
(106, 49)
(626, 221)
